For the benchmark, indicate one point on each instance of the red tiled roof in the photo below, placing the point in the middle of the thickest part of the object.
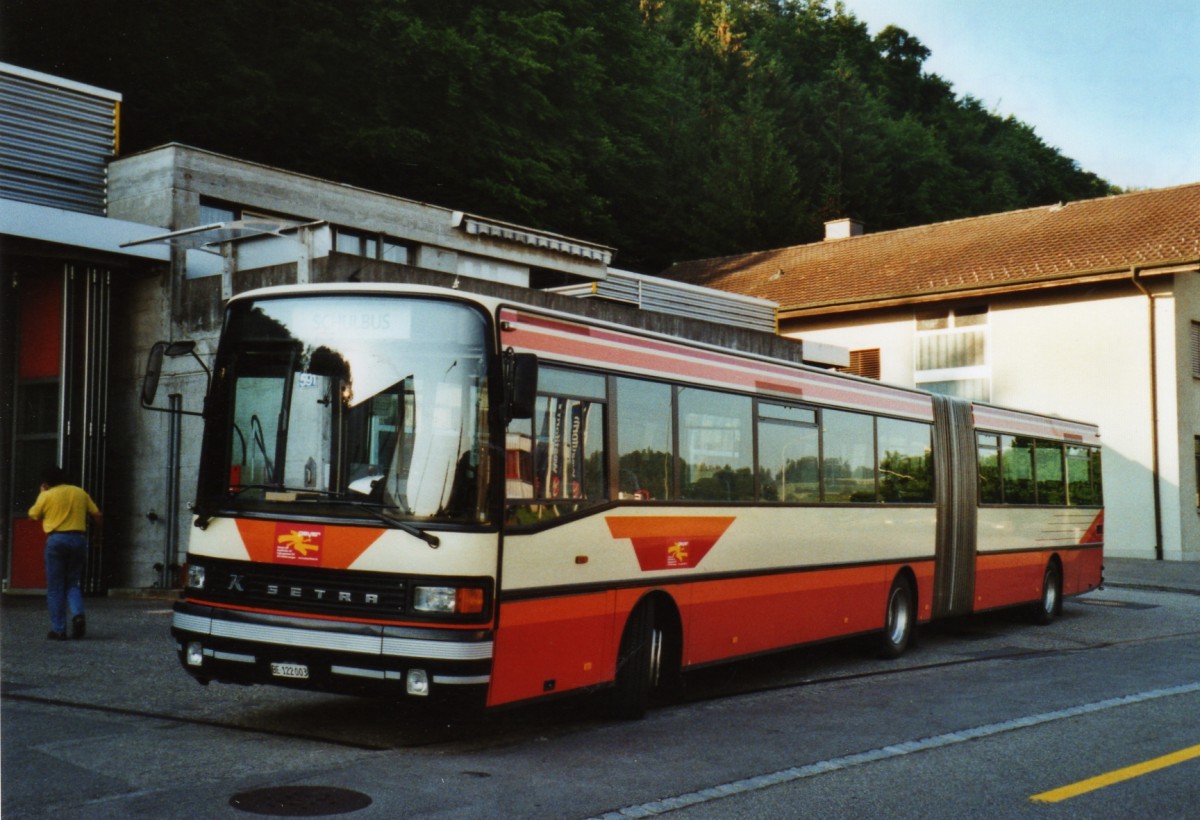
(1002, 251)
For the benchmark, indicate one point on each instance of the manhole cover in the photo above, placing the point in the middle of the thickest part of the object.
(300, 801)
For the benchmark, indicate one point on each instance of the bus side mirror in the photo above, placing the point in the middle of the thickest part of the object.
(154, 363)
(153, 372)
(520, 384)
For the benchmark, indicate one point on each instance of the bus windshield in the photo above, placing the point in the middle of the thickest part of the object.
(360, 406)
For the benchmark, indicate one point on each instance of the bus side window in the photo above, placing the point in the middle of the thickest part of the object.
(568, 449)
(1051, 484)
(1016, 459)
(989, 469)
(1083, 476)
(788, 453)
(645, 440)
(848, 465)
(905, 461)
(518, 459)
(716, 444)
(554, 462)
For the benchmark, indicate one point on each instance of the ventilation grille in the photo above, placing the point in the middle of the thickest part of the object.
(56, 138)
(864, 363)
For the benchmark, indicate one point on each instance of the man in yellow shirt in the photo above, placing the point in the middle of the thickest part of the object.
(63, 510)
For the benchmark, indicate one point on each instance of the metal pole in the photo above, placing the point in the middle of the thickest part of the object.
(171, 550)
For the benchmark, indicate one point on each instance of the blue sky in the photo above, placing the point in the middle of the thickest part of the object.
(1113, 84)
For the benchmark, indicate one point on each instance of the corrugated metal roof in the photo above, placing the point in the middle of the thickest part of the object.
(661, 295)
(1008, 250)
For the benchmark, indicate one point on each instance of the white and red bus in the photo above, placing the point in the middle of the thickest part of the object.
(407, 489)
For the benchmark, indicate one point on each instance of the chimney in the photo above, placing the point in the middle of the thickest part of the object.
(842, 229)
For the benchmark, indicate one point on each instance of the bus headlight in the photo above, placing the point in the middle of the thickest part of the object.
(447, 600)
(195, 576)
(417, 682)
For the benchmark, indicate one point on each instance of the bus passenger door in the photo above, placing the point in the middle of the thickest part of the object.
(957, 492)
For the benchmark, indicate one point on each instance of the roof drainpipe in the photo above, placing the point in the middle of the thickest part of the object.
(1135, 277)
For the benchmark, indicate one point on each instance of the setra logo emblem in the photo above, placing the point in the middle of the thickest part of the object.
(298, 545)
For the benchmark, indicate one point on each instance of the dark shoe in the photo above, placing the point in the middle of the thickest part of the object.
(56, 636)
(78, 627)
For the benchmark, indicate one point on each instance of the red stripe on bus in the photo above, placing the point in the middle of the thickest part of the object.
(1015, 578)
(558, 644)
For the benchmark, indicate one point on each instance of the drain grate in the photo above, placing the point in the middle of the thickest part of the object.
(300, 801)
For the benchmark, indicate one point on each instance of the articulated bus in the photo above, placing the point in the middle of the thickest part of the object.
(418, 491)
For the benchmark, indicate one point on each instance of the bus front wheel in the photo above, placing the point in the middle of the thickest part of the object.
(899, 619)
(1051, 604)
(639, 663)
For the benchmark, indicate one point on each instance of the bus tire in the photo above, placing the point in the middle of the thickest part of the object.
(899, 619)
(639, 663)
(1050, 606)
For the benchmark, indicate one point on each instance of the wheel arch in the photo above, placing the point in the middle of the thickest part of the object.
(667, 615)
(1055, 560)
(910, 575)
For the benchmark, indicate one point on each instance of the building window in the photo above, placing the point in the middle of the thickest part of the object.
(1196, 350)
(215, 211)
(370, 245)
(1197, 445)
(952, 352)
(211, 214)
(355, 243)
(393, 250)
(864, 363)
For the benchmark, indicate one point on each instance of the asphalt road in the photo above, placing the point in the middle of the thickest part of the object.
(980, 717)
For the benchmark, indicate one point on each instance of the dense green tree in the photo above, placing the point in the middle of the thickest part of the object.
(670, 129)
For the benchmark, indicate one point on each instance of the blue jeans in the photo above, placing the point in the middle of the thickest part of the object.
(66, 556)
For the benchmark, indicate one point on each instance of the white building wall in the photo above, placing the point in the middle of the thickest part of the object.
(1084, 359)
(1088, 360)
(891, 333)
(1187, 311)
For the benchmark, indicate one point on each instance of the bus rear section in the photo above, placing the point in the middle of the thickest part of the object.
(1040, 510)
(691, 507)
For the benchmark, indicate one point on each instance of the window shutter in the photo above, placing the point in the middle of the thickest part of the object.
(1196, 350)
(864, 363)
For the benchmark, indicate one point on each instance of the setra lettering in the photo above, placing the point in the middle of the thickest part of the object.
(324, 594)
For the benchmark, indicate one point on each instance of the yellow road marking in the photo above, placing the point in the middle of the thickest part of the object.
(1128, 773)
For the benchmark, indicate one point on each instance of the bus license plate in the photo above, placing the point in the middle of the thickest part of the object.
(289, 670)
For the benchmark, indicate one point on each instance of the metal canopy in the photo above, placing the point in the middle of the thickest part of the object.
(205, 237)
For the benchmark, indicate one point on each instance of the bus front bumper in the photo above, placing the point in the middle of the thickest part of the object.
(237, 646)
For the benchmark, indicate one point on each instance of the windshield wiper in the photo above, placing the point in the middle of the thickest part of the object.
(429, 538)
(375, 509)
(234, 492)
(204, 516)
(306, 493)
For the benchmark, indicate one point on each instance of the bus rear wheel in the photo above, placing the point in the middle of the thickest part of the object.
(1051, 604)
(900, 616)
(639, 663)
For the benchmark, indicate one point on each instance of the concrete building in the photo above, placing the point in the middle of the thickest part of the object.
(1087, 310)
(101, 257)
